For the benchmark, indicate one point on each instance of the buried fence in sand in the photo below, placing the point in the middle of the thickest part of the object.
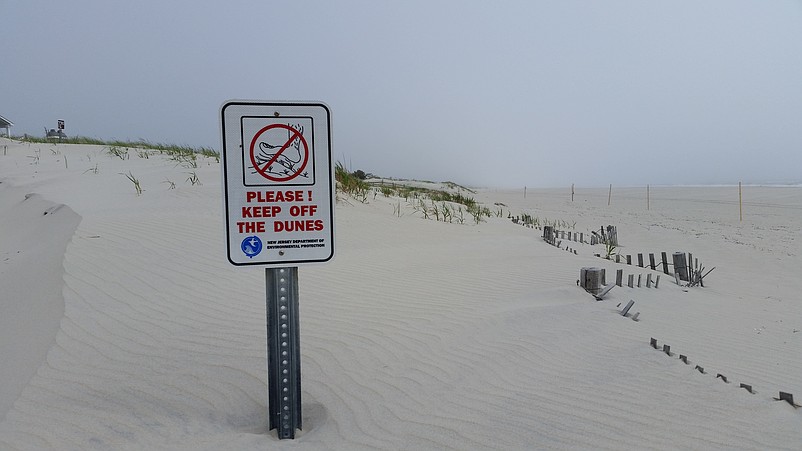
(686, 269)
(590, 278)
(666, 349)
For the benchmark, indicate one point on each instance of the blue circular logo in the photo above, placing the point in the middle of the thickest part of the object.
(251, 246)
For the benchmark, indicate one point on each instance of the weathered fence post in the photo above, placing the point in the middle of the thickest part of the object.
(626, 309)
(651, 261)
(679, 265)
(640, 260)
(591, 279)
(548, 234)
(619, 277)
(612, 235)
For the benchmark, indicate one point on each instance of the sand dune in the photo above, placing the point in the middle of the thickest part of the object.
(34, 235)
(419, 335)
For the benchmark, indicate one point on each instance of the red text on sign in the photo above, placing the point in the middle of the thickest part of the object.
(303, 210)
(276, 196)
(298, 226)
(251, 227)
(261, 212)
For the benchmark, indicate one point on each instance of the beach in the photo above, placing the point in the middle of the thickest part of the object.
(125, 327)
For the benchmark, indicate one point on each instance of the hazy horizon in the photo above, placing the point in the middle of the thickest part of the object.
(539, 94)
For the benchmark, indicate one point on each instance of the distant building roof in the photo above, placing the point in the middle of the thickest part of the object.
(5, 123)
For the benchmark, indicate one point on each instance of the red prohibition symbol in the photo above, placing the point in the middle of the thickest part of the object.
(265, 156)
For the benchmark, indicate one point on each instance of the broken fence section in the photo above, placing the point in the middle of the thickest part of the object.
(784, 396)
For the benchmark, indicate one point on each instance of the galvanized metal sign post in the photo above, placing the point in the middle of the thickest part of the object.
(283, 351)
(278, 181)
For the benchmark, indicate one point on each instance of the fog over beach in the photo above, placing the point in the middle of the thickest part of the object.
(527, 93)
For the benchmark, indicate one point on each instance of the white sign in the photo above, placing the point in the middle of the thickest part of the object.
(278, 183)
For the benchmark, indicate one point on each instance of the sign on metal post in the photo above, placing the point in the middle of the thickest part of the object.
(279, 213)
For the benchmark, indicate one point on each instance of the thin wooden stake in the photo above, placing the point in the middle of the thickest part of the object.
(740, 202)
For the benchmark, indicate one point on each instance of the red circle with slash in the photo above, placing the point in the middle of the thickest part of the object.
(264, 168)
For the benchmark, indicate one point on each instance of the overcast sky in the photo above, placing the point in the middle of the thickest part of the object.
(497, 94)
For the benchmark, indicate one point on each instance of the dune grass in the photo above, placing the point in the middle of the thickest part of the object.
(349, 183)
(172, 149)
(135, 181)
(439, 205)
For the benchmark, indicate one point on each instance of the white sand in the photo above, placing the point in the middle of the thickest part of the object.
(419, 335)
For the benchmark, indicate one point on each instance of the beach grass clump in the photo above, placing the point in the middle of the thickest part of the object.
(479, 212)
(117, 151)
(349, 183)
(457, 198)
(186, 160)
(419, 206)
(609, 250)
(460, 215)
(193, 178)
(135, 181)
